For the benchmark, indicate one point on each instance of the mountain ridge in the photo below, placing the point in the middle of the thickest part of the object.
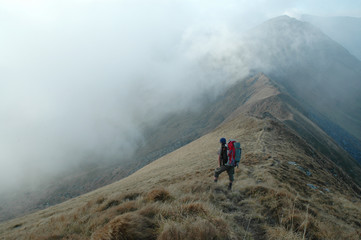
(284, 187)
(272, 99)
(309, 64)
(287, 110)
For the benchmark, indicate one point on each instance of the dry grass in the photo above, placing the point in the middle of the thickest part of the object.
(198, 229)
(281, 233)
(129, 226)
(158, 195)
(175, 198)
(194, 209)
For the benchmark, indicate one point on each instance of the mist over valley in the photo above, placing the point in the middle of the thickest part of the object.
(92, 93)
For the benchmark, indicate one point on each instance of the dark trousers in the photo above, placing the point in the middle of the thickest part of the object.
(229, 169)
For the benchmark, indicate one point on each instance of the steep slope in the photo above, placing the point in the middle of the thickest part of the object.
(285, 187)
(322, 75)
(344, 30)
(285, 108)
(174, 131)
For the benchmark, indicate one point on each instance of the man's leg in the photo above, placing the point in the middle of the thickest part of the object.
(230, 171)
(219, 171)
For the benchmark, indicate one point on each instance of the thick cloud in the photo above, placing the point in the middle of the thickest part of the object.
(79, 78)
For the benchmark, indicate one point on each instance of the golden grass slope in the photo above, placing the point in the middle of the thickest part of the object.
(175, 197)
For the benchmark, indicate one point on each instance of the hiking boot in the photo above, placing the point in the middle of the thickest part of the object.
(215, 180)
(229, 186)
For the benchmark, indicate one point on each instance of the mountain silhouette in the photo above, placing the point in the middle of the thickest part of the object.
(344, 30)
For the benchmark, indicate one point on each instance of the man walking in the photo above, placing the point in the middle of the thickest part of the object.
(226, 161)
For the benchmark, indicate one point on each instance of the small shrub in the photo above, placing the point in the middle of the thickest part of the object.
(130, 226)
(161, 195)
(194, 209)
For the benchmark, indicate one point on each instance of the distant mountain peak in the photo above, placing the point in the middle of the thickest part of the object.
(317, 70)
(344, 30)
(291, 28)
(282, 18)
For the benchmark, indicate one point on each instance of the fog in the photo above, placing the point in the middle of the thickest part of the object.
(345, 30)
(80, 79)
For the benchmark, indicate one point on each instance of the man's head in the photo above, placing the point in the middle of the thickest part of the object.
(222, 141)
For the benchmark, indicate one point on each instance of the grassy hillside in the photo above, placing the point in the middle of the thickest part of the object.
(173, 132)
(285, 188)
(286, 109)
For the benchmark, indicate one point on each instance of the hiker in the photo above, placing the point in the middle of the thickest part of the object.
(228, 158)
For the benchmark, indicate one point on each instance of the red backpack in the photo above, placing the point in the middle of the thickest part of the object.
(231, 153)
(234, 153)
